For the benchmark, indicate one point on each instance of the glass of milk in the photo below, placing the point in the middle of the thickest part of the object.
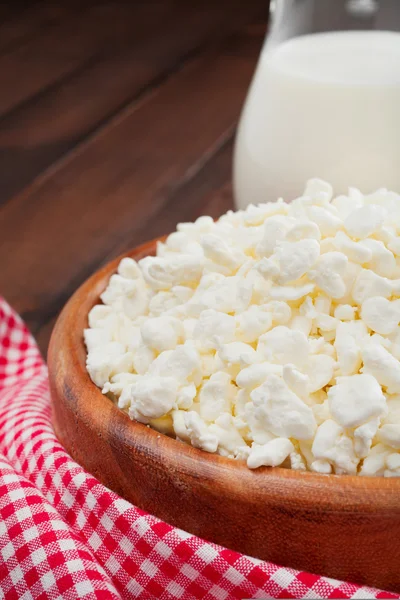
(324, 101)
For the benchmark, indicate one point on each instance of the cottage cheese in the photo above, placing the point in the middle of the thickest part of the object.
(271, 335)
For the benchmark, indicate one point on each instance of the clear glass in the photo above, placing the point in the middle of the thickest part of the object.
(324, 101)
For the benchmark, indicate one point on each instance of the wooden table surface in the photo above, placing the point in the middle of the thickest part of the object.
(116, 122)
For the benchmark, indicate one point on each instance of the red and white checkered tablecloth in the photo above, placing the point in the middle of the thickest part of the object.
(64, 535)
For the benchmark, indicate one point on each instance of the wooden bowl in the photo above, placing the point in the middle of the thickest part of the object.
(339, 526)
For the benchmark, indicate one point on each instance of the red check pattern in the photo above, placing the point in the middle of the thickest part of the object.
(64, 535)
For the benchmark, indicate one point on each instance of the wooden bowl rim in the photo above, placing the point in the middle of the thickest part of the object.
(68, 332)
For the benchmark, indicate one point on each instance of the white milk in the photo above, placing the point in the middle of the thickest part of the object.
(322, 105)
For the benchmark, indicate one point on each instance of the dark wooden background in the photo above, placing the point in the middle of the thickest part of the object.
(116, 122)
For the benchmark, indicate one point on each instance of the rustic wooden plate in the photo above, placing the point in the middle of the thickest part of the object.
(339, 526)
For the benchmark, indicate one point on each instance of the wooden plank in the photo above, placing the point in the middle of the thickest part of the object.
(42, 131)
(218, 202)
(11, 8)
(43, 334)
(66, 46)
(32, 20)
(117, 183)
(208, 192)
